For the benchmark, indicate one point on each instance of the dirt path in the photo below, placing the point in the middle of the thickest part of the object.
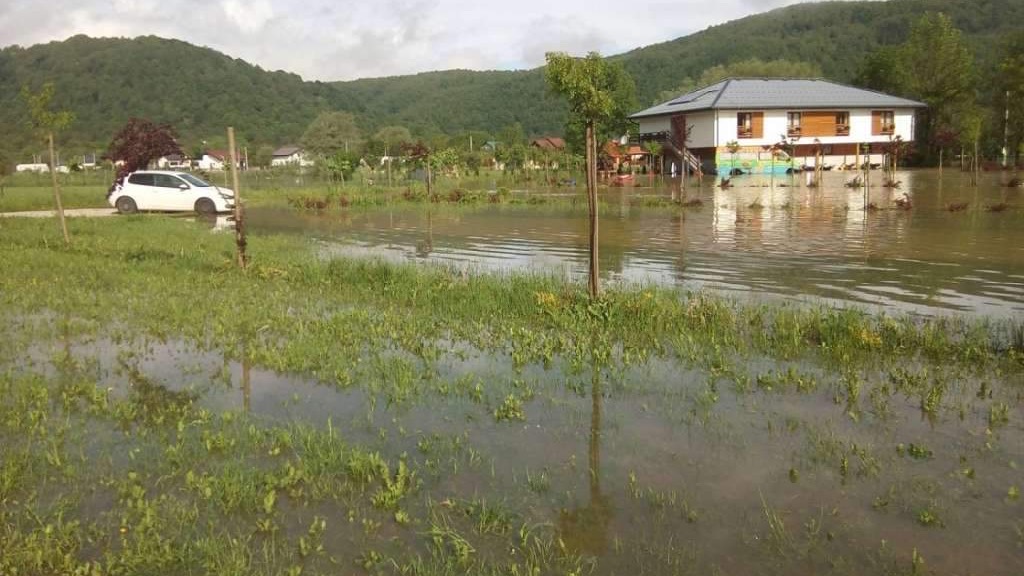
(74, 213)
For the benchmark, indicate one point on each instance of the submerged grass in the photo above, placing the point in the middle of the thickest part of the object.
(178, 488)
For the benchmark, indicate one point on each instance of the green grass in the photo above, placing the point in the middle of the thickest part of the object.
(22, 198)
(124, 473)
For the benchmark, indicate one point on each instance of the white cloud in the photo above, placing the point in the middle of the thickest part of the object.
(249, 17)
(345, 39)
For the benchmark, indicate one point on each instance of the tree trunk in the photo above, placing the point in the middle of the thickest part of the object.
(594, 282)
(56, 194)
(429, 183)
(940, 162)
(240, 241)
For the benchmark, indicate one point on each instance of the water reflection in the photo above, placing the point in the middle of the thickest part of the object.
(585, 530)
(750, 240)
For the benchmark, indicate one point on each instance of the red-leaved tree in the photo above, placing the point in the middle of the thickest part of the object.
(139, 143)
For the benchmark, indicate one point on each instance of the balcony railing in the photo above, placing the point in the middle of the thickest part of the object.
(842, 129)
(793, 131)
(888, 129)
(745, 132)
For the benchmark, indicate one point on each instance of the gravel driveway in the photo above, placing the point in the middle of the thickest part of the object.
(74, 213)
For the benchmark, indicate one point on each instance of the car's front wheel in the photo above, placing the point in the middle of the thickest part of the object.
(126, 205)
(205, 206)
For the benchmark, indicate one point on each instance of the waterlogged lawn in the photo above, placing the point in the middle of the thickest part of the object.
(166, 413)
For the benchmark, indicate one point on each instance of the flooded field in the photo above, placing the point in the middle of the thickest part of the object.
(166, 413)
(791, 243)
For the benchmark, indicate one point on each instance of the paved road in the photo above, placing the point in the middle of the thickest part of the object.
(74, 213)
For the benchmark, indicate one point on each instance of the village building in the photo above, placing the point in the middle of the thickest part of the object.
(616, 155)
(738, 125)
(549, 143)
(174, 162)
(214, 160)
(290, 156)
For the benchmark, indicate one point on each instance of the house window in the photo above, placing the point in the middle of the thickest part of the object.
(883, 122)
(888, 122)
(842, 123)
(793, 125)
(745, 125)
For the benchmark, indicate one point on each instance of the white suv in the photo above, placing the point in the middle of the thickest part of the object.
(170, 191)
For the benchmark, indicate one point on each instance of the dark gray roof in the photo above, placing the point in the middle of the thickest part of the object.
(776, 93)
(286, 151)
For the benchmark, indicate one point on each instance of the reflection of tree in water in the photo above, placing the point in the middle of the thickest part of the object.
(426, 246)
(154, 404)
(246, 383)
(585, 530)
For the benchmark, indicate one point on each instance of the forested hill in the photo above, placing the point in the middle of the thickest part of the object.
(105, 81)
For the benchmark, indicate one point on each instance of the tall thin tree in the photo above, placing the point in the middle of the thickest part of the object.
(593, 87)
(45, 121)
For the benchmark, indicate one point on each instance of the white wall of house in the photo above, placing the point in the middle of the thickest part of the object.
(164, 163)
(296, 159)
(702, 135)
(715, 129)
(208, 162)
(37, 167)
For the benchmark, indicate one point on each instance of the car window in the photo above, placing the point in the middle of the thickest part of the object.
(166, 181)
(141, 179)
(196, 182)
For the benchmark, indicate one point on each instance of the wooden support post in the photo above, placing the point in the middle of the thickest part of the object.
(240, 241)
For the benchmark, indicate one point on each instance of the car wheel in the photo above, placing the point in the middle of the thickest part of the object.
(126, 205)
(205, 206)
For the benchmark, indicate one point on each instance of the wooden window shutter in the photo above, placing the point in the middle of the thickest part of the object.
(757, 125)
(876, 123)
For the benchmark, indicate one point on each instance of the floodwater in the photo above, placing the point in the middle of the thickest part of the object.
(640, 469)
(662, 467)
(750, 241)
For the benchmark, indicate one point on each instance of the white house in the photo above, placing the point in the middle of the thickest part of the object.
(290, 156)
(734, 124)
(33, 167)
(173, 161)
(215, 160)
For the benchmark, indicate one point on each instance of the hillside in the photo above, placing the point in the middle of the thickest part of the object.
(105, 81)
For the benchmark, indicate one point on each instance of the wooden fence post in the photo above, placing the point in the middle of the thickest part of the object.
(240, 241)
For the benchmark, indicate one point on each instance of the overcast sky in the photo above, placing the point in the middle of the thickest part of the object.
(346, 39)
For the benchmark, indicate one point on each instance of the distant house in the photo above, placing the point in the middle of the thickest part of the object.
(548, 143)
(215, 160)
(174, 161)
(88, 161)
(618, 154)
(735, 124)
(32, 167)
(489, 146)
(290, 156)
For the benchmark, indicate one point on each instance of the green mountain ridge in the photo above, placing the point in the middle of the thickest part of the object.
(104, 81)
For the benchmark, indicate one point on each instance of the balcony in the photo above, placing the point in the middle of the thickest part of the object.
(842, 129)
(745, 132)
(888, 129)
(794, 132)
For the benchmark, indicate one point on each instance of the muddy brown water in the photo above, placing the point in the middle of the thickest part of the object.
(799, 244)
(660, 468)
(653, 469)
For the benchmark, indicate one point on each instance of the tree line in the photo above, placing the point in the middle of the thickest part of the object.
(199, 90)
